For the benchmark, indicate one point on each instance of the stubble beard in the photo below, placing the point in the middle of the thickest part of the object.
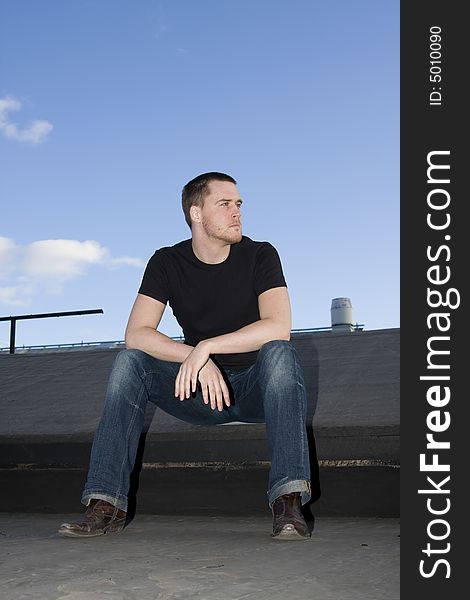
(230, 235)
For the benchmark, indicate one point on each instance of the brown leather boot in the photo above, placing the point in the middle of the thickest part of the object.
(101, 517)
(288, 521)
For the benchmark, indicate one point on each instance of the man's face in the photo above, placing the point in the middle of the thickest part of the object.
(221, 217)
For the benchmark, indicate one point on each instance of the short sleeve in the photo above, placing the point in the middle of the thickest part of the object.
(155, 281)
(268, 269)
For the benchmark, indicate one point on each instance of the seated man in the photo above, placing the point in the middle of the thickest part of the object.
(229, 295)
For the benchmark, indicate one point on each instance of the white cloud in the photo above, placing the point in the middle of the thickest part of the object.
(35, 133)
(6, 247)
(15, 295)
(61, 260)
(127, 260)
(7, 256)
(46, 266)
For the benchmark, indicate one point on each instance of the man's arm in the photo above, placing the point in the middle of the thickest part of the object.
(274, 324)
(141, 332)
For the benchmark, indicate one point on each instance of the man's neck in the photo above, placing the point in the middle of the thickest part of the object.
(210, 251)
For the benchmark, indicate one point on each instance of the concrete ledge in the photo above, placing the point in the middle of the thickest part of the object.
(51, 403)
(371, 491)
(238, 444)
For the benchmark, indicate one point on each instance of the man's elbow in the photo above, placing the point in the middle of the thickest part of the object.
(130, 340)
(283, 331)
(137, 338)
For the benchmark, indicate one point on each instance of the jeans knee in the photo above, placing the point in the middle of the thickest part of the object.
(127, 364)
(277, 352)
(128, 359)
(279, 363)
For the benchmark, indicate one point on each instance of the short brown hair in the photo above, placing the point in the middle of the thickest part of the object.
(195, 190)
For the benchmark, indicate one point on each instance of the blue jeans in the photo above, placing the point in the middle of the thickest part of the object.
(271, 391)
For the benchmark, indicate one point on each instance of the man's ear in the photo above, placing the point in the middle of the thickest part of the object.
(195, 213)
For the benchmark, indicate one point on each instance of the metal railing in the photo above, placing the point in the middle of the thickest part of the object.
(14, 318)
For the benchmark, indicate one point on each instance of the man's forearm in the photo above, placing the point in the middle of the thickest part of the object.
(157, 345)
(248, 338)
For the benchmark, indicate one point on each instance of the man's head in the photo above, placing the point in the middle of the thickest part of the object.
(211, 205)
(195, 191)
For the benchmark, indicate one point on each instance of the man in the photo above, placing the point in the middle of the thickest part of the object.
(229, 295)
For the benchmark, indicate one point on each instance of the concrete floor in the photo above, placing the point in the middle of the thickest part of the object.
(200, 558)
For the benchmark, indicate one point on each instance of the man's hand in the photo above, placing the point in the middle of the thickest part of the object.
(186, 379)
(214, 388)
(199, 366)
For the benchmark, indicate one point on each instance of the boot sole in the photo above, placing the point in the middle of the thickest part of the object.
(290, 533)
(66, 532)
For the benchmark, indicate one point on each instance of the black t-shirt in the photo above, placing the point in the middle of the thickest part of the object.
(209, 300)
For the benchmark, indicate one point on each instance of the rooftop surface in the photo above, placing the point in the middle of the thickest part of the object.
(199, 558)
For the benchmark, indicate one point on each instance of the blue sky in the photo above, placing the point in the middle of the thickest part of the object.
(107, 108)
